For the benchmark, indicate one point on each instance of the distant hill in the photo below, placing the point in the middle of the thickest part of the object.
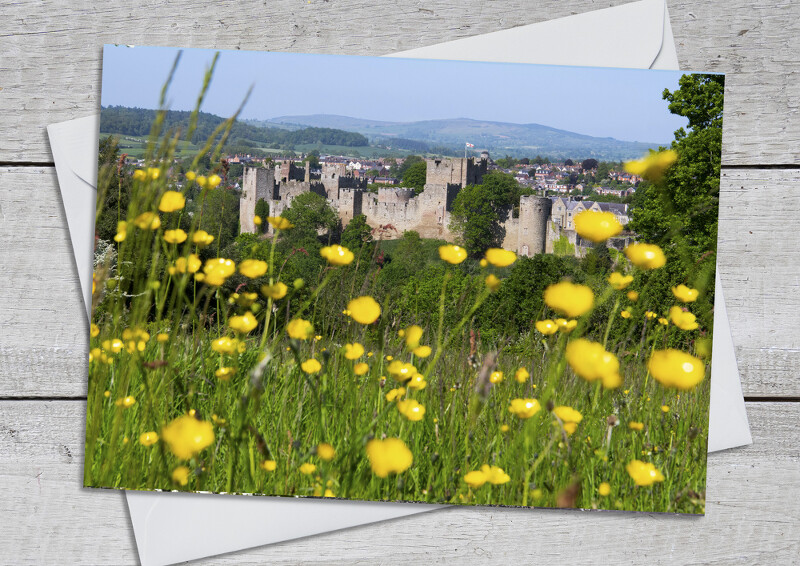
(137, 121)
(500, 138)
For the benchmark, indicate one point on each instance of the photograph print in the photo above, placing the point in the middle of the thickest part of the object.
(403, 280)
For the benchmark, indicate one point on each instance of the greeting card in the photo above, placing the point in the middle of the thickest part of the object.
(403, 280)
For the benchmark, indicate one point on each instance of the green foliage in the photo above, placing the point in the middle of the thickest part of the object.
(357, 233)
(478, 209)
(562, 247)
(399, 170)
(681, 212)
(414, 176)
(262, 210)
(116, 196)
(475, 218)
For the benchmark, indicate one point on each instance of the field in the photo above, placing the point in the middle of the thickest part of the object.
(198, 383)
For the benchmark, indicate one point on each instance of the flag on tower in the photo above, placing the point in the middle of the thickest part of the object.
(470, 145)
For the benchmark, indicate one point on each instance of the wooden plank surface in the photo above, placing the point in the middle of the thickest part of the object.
(751, 514)
(760, 274)
(49, 71)
(50, 52)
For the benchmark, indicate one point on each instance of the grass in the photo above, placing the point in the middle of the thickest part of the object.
(277, 412)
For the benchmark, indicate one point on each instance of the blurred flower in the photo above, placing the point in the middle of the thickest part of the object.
(191, 175)
(401, 371)
(225, 345)
(569, 299)
(521, 375)
(546, 327)
(279, 222)
(225, 373)
(674, 368)
(390, 456)
(299, 329)
(633, 296)
(413, 334)
(417, 382)
(213, 181)
(569, 417)
(702, 347)
(650, 314)
(422, 351)
(257, 220)
(395, 394)
(653, 166)
(524, 408)
(633, 425)
(135, 339)
(483, 262)
(682, 319)
(364, 310)
(337, 255)
(452, 254)
(565, 325)
(665, 408)
(619, 281)
(353, 351)
(217, 270)
(475, 479)
(325, 451)
(646, 256)
(139, 175)
(171, 201)
(244, 323)
(180, 475)
(643, 474)
(604, 489)
(411, 409)
(360, 369)
(115, 345)
(187, 436)
(311, 366)
(492, 282)
(176, 236)
(496, 377)
(202, 238)
(663, 321)
(625, 313)
(253, 268)
(269, 465)
(504, 428)
(597, 226)
(685, 294)
(308, 468)
(275, 291)
(148, 438)
(93, 330)
(147, 221)
(122, 231)
(187, 264)
(591, 361)
(500, 257)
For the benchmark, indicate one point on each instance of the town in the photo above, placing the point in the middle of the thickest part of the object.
(541, 223)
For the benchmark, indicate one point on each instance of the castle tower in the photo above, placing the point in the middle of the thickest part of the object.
(534, 214)
(257, 183)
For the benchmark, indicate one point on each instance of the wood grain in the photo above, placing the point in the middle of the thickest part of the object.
(50, 52)
(47, 338)
(751, 514)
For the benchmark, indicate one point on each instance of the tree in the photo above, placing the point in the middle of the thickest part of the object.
(415, 176)
(398, 170)
(588, 164)
(569, 162)
(262, 210)
(603, 169)
(357, 233)
(313, 158)
(311, 213)
(117, 196)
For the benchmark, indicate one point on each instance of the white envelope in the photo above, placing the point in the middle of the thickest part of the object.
(174, 527)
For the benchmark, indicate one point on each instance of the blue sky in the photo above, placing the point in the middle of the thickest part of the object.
(624, 104)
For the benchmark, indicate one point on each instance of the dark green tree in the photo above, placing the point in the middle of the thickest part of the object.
(415, 175)
(476, 219)
(116, 197)
(357, 233)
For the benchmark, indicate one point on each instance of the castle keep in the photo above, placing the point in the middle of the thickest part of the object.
(540, 223)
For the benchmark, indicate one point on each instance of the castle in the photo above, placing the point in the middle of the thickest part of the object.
(541, 221)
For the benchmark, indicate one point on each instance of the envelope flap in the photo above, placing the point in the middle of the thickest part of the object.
(76, 146)
(632, 35)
